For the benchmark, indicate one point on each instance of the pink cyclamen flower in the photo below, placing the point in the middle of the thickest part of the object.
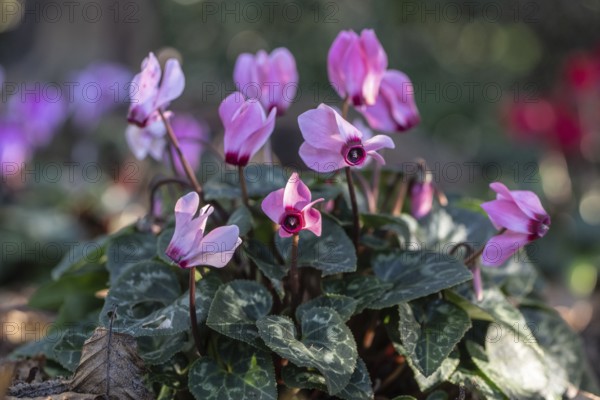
(355, 65)
(421, 198)
(292, 208)
(395, 109)
(247, 127)
(149, 93)
(191, 246)
(270, 78)
(522, 216)
(332, 143)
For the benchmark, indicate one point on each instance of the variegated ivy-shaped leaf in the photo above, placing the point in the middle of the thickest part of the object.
(242, 217)
(416, 274)
(242, 372)
(360, 386)
(263, 258)
(331, 253)
(127, 249)
(236, 308)
(364, 289)
(149, 301)
(344, 305)
(327, 344)
(429, 330)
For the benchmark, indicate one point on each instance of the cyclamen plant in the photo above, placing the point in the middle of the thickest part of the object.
(294, 308)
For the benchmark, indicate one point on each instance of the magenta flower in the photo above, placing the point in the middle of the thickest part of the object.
(270, 78)
(190, 246)
(395, 109)
(292, 209)
(421, 198)
(521, 215)
(149, 93)
(355, 65)
(191, 135)
(247, 127)
(15, 150)
(332, 143)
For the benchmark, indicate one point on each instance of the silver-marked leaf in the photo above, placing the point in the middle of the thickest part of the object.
(242, 218)
(429, 330)
(475, 381)
(236, 308)
(562, 347)
(402, 225)
(149, 301)
(128, 249)
(514, 367)
(67, 348)
(365, 289)
(415, 275)
(327, 344)
(438, 395)
(331, 253)
(260, 254)
(344, 305)
(244, 372)
(156, 350)
(360, 386)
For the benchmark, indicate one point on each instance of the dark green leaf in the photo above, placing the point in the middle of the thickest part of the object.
(236, 308)
(156, 350)
(415, 275)
(67, 349)
(51, 295)
(80, 255)
(331, 253)
(359, 387)
(260, 254)
(162, 242)
(327, 344)
(438, 395)
(344, 305)
(475, 381)
(149, 301)
(242, 218)
(128, 249)
(244, 372)
(446, 227)
(429, 330)
(363, 288)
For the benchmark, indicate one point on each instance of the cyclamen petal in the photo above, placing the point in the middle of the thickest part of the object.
(190, 246)
(421, 199)
(291, 208)
(521, 215)
(355, 66)
(247, 128)
(332, 143)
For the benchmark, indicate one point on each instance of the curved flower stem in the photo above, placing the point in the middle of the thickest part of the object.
(243, 184)
(294, 283)
(469, 260)
(158, 184)
(186, 165)
(354, 206)
(345, 108)
(401, 196)
(193, 319)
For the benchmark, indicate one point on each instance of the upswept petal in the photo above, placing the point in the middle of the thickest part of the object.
(501, 190)
(321, 160)
(319, 128)
(258, 138)
(348, 132)
(501, 247)
(335, 60)
(283, 66)
(217, 247)
(230, 106)
(376, 55)
(247, 121)
(378, 142)
(421, 199)
(312, 220)
(529, 203)
(138, 142)
(272, 205)
(296, 194)
(378, 157)
(378, 115)
(172, 84)
(145, 84)
(354, 72)
(243, 72)
(506, 214)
